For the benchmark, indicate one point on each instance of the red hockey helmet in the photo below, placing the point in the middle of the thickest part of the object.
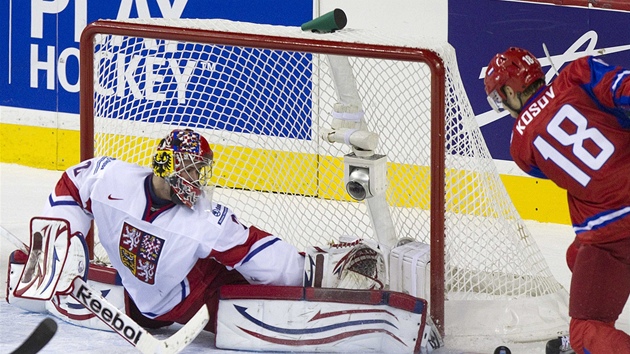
(517, 68)
(184, 159)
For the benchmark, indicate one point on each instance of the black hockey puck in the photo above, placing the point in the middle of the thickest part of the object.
(502, 350)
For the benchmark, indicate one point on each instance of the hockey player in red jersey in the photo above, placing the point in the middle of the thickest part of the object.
(576, 132)
(172, 247)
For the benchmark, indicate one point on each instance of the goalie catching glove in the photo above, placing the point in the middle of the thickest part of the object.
(359, 264)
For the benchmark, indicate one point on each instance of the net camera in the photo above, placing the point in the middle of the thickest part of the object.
(365, 177)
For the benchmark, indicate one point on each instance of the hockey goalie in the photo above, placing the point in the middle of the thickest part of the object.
(341, 308)
(178, 257)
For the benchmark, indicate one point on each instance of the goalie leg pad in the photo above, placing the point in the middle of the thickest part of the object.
(410, 269)
(295, 319)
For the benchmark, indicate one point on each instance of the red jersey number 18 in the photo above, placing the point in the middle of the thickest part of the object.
(582, 133)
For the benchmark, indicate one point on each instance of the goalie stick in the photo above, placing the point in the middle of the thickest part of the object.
(130, 330)
(40, 336)
(13, 239)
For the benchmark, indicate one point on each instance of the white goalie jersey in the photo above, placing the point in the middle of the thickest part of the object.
(154, 246)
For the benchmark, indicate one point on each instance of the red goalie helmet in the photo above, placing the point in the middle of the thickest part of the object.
(184, 160)
(517, 68)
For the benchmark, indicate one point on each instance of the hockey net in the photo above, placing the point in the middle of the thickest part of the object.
(263, 94)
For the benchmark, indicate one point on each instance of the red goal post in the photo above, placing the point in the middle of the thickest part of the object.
(261, 94)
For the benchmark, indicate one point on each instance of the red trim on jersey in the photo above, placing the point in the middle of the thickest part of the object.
(65, 187)
(236, 254)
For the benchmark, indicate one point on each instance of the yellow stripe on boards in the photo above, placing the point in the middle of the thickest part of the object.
(538, 199)
(133, 149)
(309, 174)
(265, 170)
(47, 148)
(69, 149)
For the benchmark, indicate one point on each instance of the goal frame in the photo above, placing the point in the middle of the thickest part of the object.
(430, 58)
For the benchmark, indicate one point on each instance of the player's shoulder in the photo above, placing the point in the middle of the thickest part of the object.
(204, 224)
(577, 68)
(587, 69)
(215, 212)
(104, 165)
(215, 215)
(218, 210)
(106, 162)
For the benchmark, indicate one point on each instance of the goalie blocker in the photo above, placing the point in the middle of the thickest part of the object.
(40, 278)
(56, 268)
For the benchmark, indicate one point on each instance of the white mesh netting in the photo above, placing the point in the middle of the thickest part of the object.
(262, 109)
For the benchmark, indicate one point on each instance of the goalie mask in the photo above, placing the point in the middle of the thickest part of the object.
(184, 160)
(517, 68)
